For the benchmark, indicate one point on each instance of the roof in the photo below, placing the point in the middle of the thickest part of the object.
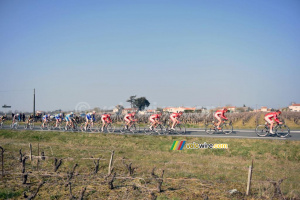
(130, 109)
(296, 104)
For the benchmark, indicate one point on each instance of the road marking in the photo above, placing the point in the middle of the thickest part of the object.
(241, 137)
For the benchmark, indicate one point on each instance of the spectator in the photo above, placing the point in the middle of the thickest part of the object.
(23, 117)
(12, 115)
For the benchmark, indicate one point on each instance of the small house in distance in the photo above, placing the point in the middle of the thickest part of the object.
(178, 109)
(295, 107)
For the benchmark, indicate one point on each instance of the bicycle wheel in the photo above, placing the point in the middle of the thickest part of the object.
(134, 128)
(123, 129)
(180, 129)
(282, 131)
(49, 126)
(26, 126)
(262, 130)
(227, 128)
(147, 130)
(82, 127)
(210, 128)
(160, 129)
(31, 126)
(110, 128)
(1, 125)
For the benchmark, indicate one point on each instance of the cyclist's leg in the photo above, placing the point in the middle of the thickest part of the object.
(127, 121)
(270, 124)
(219, 121)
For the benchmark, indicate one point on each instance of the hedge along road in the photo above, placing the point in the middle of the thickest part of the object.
(196, 132)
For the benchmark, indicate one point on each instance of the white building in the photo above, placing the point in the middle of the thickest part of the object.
(295, 107)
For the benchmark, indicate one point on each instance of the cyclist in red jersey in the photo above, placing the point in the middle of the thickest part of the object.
(269, 119)
(154, 119)
(129, 118)
(220, 114)
(105, 120)
(175, 118)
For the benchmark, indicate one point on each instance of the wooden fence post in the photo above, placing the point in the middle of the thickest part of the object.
(111, 162)
(30, 147)
(249, 179)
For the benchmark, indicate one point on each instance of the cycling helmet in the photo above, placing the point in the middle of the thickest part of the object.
(278, 111)
(72, 113)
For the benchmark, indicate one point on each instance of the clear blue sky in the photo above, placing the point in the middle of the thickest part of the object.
(175, 53)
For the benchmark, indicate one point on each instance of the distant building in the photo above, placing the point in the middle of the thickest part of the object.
(129, 110)
(264, 109)
(231, 108)
(178, 109)
(295, 107)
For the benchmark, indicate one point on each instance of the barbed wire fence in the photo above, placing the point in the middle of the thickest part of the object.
(42, 169)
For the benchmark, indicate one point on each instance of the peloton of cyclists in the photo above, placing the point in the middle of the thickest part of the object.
(129, 118)
(154, 120)
(105, 118)
(269, 119)
(220, 114)
(90, 117)
(174, 117)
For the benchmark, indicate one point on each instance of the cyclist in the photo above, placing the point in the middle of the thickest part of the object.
(58, 119)
(220, 114)
(175, 118)
(154, 119)
(129, 118)
(46, 118)
(105, 120)
(3, 118)
(90, 117)
(269, 119)
(30, 119)
(69, 118)
(16, 116)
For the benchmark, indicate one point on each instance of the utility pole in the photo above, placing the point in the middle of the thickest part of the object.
(33, 102)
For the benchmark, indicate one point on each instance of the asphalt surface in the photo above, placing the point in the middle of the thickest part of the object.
(194, 132)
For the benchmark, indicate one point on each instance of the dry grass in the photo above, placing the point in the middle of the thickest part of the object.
(189, 174)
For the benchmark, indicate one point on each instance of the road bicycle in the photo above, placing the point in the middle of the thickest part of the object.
(179, 128)
(46, 125)
(160, 129)
(133, 127)
(108, 128)
(29, 125)
(59, 126)
(70, 127)
(88, 128)
(281, 130)
(14, 125)
(226, 128)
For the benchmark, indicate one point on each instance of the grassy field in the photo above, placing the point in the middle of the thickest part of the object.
(188, 174)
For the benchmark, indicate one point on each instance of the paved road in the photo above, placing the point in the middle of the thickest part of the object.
(249, 134)
(193, 132)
